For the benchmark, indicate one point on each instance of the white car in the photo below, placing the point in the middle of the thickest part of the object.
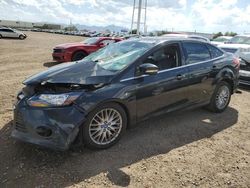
(198, 37)
(240, 46)
(11, 33)
(221, 40)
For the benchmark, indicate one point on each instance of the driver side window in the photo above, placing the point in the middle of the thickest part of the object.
(166, 57)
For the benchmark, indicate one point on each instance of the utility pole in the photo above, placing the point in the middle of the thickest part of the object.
(139, 18)
(139, 5)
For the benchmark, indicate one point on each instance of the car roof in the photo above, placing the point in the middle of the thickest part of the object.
(108, 37)
(185, 35)
(158, 40)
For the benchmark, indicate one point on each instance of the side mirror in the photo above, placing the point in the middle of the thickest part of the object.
(148, 68)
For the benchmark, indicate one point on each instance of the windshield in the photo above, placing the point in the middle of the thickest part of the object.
(117, 56)
(90, 41)
(240, 40)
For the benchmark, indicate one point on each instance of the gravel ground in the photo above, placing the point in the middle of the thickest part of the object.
(185, 149)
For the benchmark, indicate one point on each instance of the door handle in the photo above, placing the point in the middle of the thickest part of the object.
(179, 77)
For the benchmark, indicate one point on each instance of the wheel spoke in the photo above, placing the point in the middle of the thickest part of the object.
(105, 126)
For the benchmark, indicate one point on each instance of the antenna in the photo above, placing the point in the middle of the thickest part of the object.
(139, 5)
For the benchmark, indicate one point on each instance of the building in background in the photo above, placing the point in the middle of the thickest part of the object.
(29, 25)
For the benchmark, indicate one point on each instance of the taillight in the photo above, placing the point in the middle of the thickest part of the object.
(236, 62)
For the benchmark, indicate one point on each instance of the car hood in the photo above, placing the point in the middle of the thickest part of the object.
(83, 73)
(69, 45)
(234, 46)
(216, 43)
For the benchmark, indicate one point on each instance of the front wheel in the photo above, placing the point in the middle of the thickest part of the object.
(21, 37)
(221, 97)
(78, 56)
(104, 126)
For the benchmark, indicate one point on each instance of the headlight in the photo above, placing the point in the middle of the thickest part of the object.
(53, 100)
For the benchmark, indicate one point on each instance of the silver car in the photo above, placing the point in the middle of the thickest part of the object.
(11, 33)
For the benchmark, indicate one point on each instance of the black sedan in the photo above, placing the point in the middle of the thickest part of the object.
(93, 101)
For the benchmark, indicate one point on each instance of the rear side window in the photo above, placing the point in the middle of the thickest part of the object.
(195, 52)
(215, 52)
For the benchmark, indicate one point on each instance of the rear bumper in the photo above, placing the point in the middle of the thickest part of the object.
(47, 127)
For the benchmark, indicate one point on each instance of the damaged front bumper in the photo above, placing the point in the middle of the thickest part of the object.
(54, 128)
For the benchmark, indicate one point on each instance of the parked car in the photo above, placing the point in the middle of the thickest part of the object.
(11, 33)
(240, 46)
(77, 51)
(95, 100)
(221, 40)
(198, 37)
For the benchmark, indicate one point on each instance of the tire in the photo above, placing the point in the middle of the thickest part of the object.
(0, 36)
(78, 56)
(101, 134)
(21, 37)
(220, 98)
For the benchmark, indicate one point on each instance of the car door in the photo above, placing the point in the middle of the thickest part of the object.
(165, 91)
(9, 33)
(200, 71)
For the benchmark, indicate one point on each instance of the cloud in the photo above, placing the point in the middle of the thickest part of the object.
(200, 15)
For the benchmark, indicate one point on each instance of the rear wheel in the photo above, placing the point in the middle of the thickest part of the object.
(221, 97)
(79, 55)
(21, 37)
(104, 126)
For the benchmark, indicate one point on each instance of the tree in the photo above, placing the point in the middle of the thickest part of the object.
(217, 35)
(230, 34)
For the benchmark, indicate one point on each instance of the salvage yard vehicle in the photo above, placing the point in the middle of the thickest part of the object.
(197, 37)
(77, 51)
(94, 101)
(221, 40)
(6, 32)
(240, 46)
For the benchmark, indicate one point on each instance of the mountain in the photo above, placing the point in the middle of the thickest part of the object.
(113, 28)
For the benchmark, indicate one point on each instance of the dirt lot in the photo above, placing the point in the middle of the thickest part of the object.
(188, 149)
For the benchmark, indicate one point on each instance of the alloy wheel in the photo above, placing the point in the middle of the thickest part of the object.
(222, 97)
(105, 126)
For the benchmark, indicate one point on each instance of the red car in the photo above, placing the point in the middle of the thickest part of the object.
(77, 51)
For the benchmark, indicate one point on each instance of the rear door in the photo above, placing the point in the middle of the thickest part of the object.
(201, 68)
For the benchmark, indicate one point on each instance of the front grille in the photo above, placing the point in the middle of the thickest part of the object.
(245, 67)
(19, 125)
(245, 78)
(57, 50)
(56, 58)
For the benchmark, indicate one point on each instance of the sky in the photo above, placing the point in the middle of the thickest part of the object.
(208, 16)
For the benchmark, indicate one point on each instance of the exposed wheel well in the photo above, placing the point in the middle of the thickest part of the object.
(230, 82)
(77, 52)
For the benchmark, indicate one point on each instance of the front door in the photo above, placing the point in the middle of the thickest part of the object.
(165, 91)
